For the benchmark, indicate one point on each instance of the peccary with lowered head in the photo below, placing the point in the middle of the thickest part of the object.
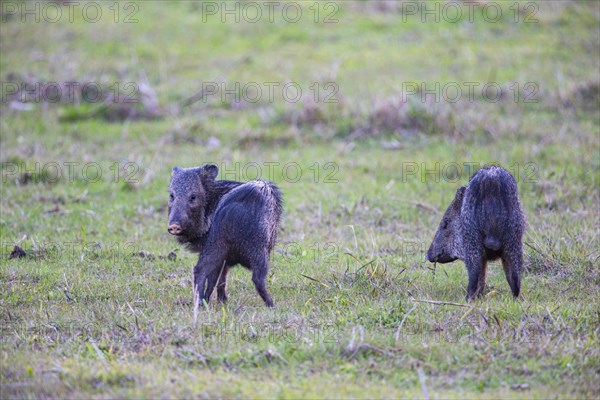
(484, 222)
(228, 223)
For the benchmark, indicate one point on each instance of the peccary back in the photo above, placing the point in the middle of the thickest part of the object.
(484, 222)
(228, 223)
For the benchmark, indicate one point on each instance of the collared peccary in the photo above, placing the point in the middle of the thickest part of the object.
(484, 222)
(227, 222)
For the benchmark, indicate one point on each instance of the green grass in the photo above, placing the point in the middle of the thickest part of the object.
(97, 309)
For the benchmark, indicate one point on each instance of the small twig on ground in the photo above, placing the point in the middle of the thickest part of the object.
(199, 356)
(100, 355)
(198, 95)
(397, 336)
(270, 354)
(441, 303)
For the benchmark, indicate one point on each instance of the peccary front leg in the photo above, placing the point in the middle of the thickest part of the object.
(207, 269)
(222, 285)
(260, 270)
(219, 275)
(199, 282)
(512, 261)
(211, 282)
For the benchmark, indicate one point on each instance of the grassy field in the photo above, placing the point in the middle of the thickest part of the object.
(394, 114)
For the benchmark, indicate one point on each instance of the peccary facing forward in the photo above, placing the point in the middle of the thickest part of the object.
(227, 222)
(484, 222)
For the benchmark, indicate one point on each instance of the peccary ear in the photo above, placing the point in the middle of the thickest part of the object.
(175, 170)
(209, 171)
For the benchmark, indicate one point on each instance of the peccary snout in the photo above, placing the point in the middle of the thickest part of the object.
(447, 244)
(175, 229)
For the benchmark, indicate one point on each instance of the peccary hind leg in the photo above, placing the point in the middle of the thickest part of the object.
(512, 262)
(260, 270)
(481, 281)
(476, 266)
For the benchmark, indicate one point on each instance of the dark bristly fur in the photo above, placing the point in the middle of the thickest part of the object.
(484, 222)
(228, 223)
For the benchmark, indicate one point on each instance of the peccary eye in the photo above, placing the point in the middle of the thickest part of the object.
(171, 197)
(445, 225)
(193, 197)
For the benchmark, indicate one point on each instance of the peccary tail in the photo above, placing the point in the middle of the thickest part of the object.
(491, 243)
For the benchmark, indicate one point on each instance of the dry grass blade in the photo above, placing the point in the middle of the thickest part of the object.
(196, 305)
(315, 280)
(423, 383)
(99, 353)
